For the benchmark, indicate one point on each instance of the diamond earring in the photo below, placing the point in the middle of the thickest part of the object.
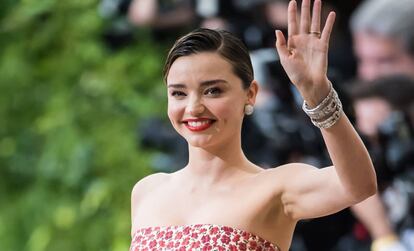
(248, 109)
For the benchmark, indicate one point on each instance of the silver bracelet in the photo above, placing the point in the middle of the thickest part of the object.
(326, 113)
(321, 105)
(331, 120)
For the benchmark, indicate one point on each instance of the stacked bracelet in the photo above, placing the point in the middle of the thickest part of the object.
(326, 113)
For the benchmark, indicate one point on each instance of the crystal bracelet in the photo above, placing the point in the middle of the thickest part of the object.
(326, 113)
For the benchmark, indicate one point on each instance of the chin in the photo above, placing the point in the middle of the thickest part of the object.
(202, 141)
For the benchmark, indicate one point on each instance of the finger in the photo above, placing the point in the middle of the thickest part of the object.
(305, 18)
(281, 45)
(292, 24)
(327, 30)
(316, 16)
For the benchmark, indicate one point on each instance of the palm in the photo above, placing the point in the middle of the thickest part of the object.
(304, 55)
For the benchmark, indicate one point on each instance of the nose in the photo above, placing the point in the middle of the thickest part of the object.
(368, 71)
(195, 106)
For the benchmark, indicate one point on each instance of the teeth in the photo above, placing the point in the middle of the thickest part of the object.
(198, 123)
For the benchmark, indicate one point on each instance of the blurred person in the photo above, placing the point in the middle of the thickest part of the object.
(230, 15)
(220, 199)
(384, 114)
(373, 104)
(383, 34)
(163, 17)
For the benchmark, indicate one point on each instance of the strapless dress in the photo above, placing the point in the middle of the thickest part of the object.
(198, 237)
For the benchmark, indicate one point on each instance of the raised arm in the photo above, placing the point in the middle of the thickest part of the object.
(311, 192)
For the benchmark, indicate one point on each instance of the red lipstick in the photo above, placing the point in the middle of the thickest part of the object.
(198, 124)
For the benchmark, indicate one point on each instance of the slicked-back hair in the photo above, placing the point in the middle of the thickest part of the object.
(222, 42)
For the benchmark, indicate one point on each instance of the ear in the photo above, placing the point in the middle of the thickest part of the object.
(252, 92)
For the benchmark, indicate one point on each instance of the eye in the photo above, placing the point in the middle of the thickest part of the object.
(213, 91)
(177, 93)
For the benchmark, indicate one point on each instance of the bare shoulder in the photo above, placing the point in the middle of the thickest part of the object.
(283, 176)
(290, 170)
(295, 168)
(147, 184)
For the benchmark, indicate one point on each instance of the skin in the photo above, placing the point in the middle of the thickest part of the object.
(381, 56)
(146, 13)
(370, 114)
(219, 185)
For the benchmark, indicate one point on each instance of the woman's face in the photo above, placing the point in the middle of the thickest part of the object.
(206, 99)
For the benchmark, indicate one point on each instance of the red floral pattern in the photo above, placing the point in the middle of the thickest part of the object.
(200, 237)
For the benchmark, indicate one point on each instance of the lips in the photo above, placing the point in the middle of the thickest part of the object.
(199, 124)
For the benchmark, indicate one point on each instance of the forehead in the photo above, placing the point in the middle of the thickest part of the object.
(200, 67)
(375, 45)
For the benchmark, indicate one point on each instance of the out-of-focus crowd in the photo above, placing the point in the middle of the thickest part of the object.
(371, 63)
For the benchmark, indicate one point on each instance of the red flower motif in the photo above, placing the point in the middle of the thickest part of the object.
(207, 247)
(152, 244)
(205, 239)
(179, 235)
(236, 238)
(186, 230)
(170, 244)
(232, 248)
(195, 245)
(168, 235)
(186, 241)
(214, 230)
(242, 246)
(225, 239)
(160, 234)
(252, 244)
(227, 229)
(198, 237)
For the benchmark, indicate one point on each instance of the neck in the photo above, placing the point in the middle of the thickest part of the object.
(215, 164)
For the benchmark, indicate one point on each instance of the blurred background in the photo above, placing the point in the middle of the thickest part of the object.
(83, 114)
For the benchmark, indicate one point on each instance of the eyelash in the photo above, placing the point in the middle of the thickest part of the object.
(211, 92)
(177, 93)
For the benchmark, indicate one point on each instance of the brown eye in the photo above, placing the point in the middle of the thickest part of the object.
(177, 93)
(213, 91)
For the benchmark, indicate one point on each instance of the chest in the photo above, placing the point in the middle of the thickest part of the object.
(175, 206)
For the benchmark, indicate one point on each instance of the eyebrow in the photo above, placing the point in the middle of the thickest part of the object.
(202, 84)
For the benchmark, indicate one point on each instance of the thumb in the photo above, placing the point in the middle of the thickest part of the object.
(281, 44)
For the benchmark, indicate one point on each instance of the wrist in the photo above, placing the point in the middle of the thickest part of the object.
(315, 96)
(327, 112)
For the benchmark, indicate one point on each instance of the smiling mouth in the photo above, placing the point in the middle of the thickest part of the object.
(198, 125)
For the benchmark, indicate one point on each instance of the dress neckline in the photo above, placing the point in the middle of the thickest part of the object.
(197, 225)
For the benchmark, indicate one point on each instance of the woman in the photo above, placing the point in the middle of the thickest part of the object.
(220, 200)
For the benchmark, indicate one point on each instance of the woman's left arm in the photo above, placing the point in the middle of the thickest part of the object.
(310, 192)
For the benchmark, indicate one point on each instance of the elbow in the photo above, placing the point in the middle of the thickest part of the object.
(371, 186)
(366, 191)
(370, 190)
(368, 185)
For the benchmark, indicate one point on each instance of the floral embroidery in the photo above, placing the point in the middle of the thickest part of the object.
(200, 237)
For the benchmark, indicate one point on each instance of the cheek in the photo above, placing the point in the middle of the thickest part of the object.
(227, 110)
(174, 112)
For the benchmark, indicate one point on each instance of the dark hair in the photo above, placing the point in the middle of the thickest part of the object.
(224, 43)
(397, 90)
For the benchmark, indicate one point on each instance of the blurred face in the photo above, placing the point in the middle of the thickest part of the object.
(380, 56)
(370, 114)
(206, 99)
